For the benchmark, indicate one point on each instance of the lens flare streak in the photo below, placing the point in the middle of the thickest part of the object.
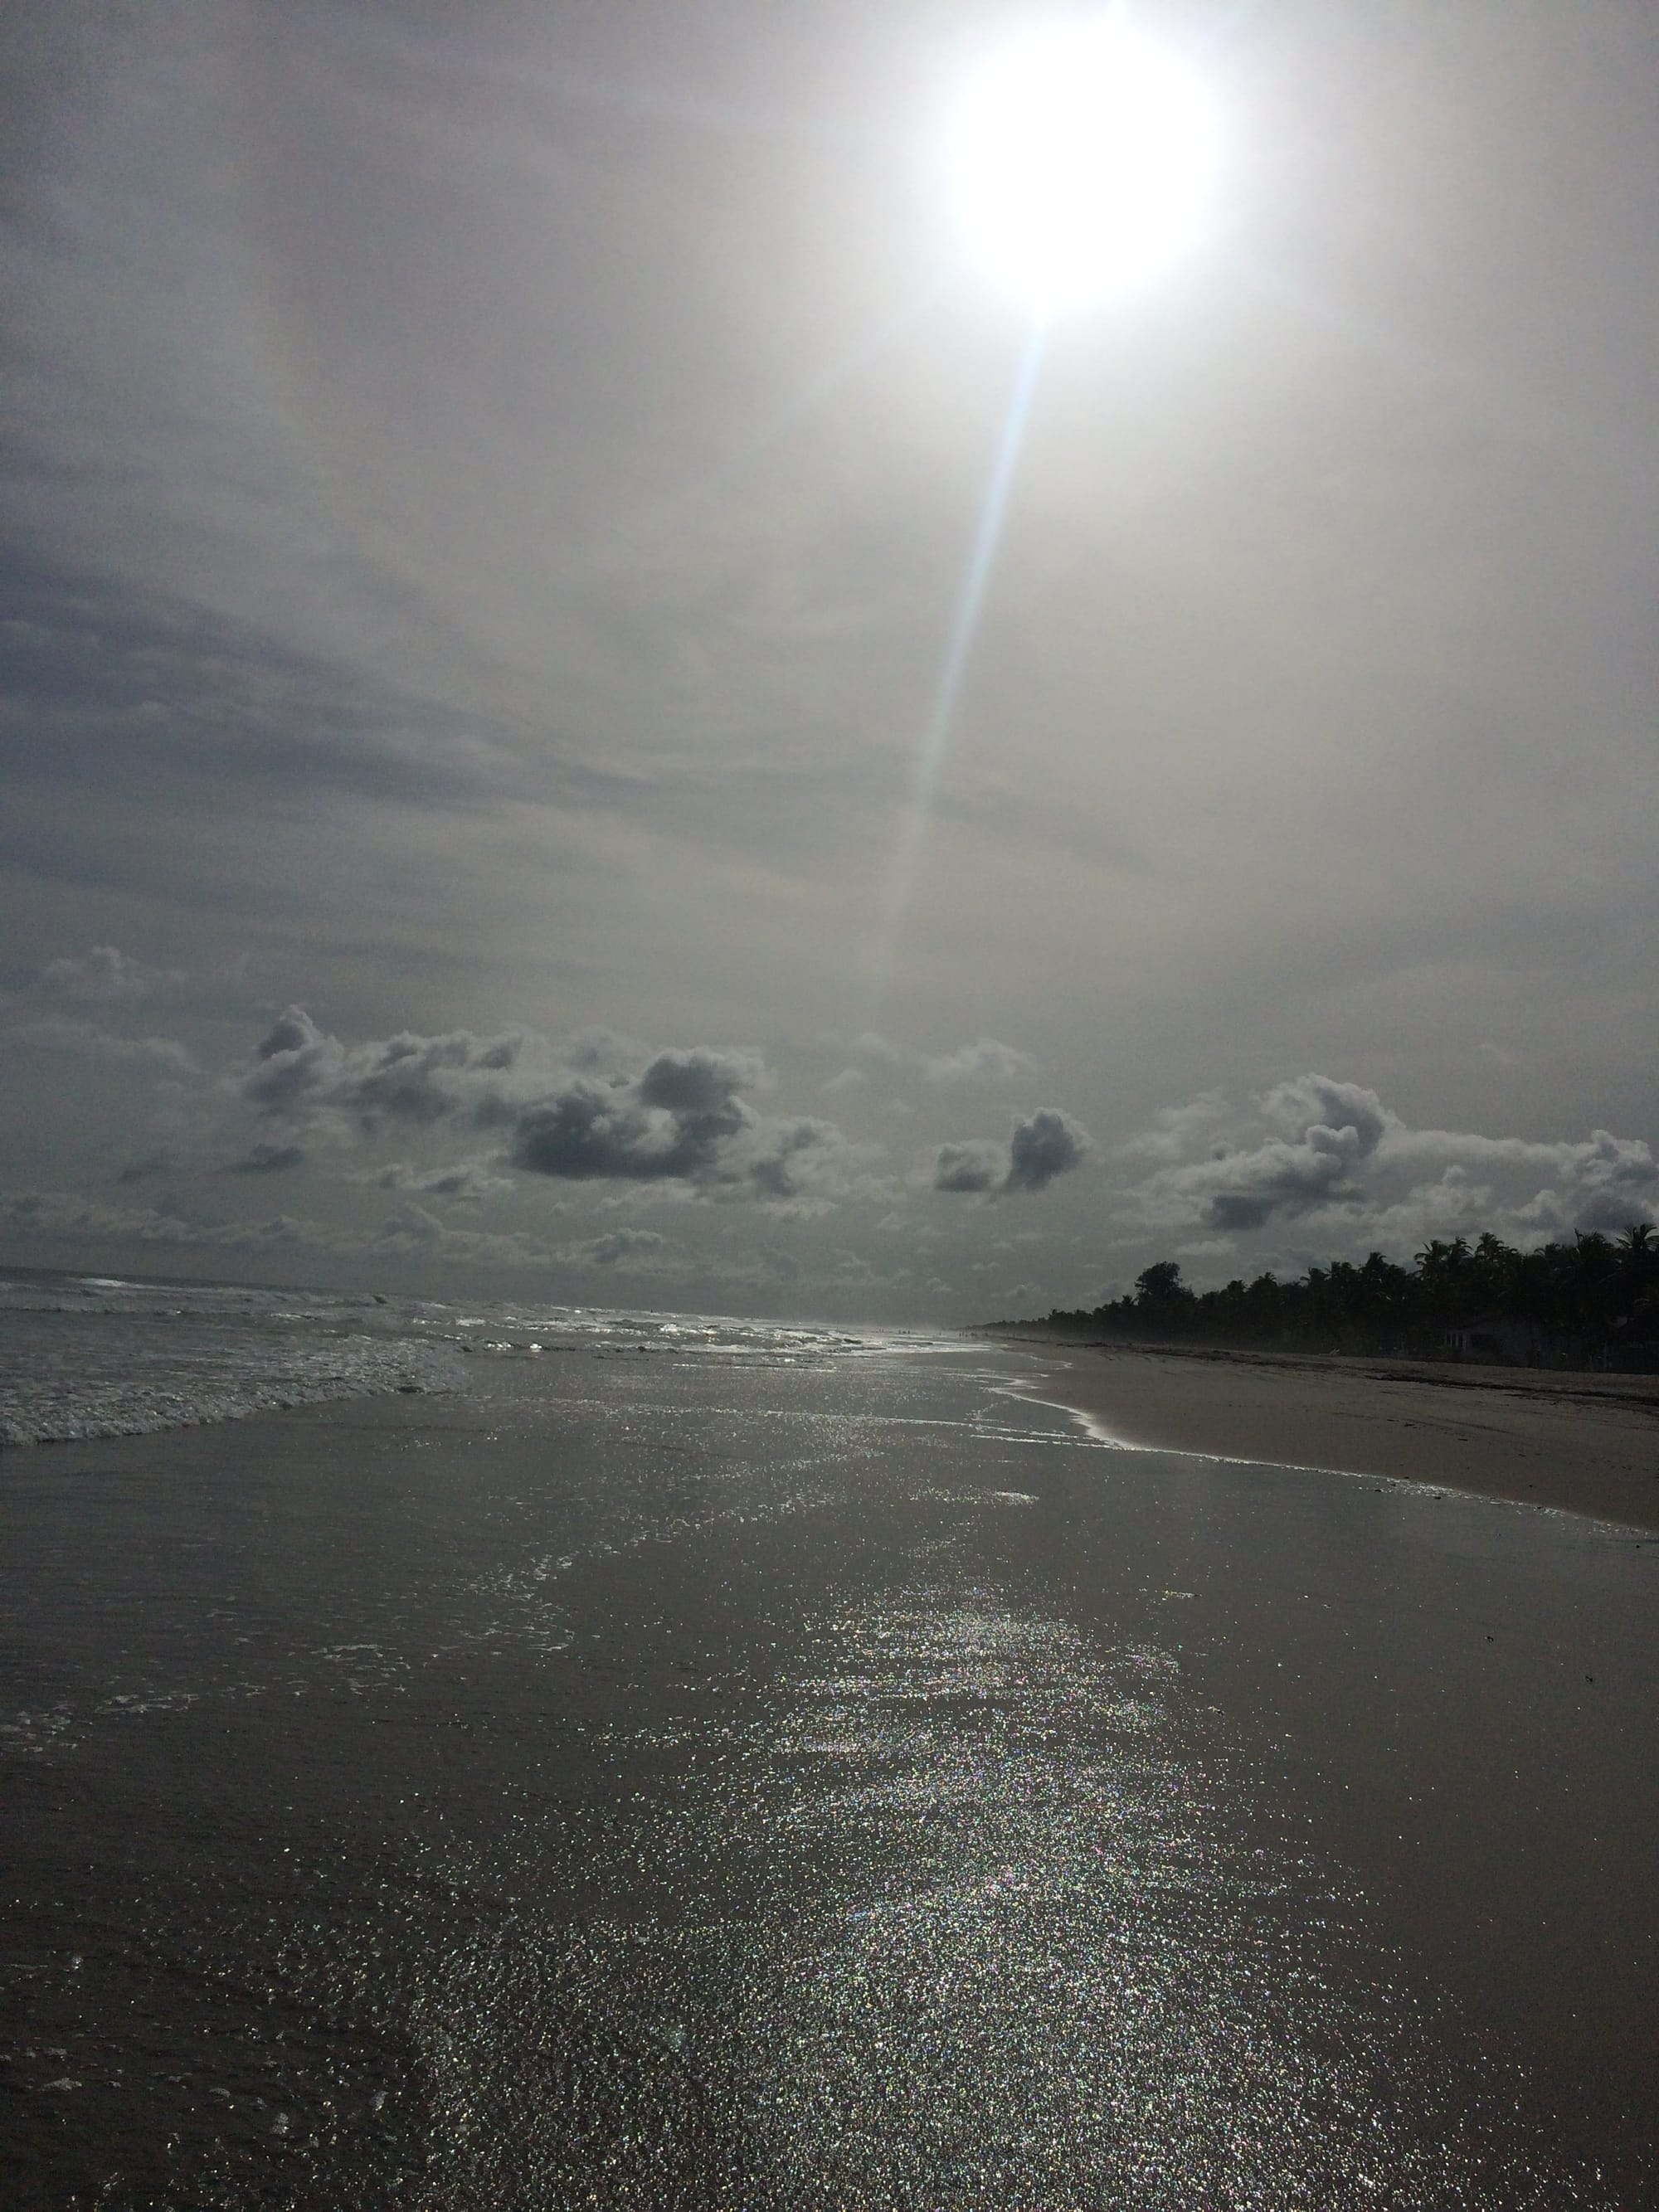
(958, 651)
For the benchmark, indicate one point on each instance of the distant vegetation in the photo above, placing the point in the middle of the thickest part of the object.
(1594, 1302)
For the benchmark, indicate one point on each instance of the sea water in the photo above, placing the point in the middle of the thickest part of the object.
(694, 1763)
(87, 1356)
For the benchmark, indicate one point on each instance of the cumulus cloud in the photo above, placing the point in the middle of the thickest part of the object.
(1331, 1128)
(604, 1110)
(1041, 1147)
(809, 1162)
(677, 1121)
(1311, 1103)
(296, 1066)
(986, 1061)
(1275, 1178)
(1178, 1131)
(686, 1118)
(300, 1070)
(1331, 1155)
(979, 1163)
(106, 976)
(1048, 1144)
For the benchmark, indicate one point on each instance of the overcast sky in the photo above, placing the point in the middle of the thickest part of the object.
(487, 491)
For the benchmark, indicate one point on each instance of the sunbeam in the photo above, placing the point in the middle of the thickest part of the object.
(958, 651)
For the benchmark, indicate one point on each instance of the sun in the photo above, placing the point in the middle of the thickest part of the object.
(1081, 158)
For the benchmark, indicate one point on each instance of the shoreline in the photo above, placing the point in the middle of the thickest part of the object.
(1582, 1444)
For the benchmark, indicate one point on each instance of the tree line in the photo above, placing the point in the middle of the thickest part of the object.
(1594, 1302)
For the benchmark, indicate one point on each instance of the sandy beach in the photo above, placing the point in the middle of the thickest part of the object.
(1582, 1444)
(706, 1780)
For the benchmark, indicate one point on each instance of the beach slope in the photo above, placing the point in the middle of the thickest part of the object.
(1583, 1444)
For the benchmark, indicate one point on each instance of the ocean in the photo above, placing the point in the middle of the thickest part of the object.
(479, 1758)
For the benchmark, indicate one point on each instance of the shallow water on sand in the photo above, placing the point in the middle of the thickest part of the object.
(823, 1783)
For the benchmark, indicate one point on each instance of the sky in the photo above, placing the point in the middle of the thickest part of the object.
(536, 757)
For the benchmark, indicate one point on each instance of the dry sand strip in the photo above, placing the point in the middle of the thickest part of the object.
(1583, 1444)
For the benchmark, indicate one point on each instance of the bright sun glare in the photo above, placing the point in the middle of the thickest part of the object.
(1081, 159)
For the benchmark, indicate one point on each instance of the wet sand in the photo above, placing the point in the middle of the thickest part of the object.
(1581, 1443)
(708, 1787)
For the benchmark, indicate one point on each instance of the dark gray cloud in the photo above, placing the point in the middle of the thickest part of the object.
(467, 1181)
(1285, 1178)
(685, 1118)
(625, 1249)
(675, 1121)
(1041, 1147)
(1236, 1210)
(1335, 1127)
(1613, 1211)
(149, 1165)
(67, 1217)
(802, 1153)
(423, 1079)
(680, 1116)
(265, 1158)
(297, 1068)
(1044, 1145)
(980, 1163)
(300, 1070)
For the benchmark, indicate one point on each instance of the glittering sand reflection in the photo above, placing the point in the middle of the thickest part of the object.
(1047, 1975)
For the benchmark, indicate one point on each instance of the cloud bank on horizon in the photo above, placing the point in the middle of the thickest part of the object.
(683, 1170)
(485, 512)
